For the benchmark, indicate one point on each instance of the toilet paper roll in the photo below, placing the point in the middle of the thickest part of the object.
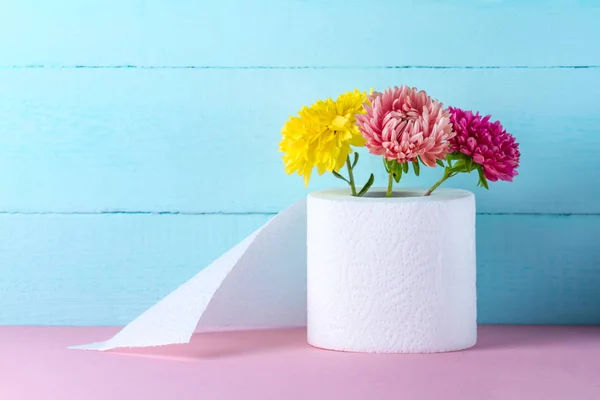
(262, 281)
(391, 275)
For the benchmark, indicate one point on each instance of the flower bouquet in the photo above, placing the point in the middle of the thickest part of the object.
(393, 270)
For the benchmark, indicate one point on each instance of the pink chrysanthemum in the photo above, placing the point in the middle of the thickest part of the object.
(402, 124)
(486, 142)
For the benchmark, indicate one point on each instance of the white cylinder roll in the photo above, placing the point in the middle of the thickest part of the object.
(391, 275)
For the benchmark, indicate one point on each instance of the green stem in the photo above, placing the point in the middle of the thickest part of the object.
(351, 175)
(447, 175)
(390, 184)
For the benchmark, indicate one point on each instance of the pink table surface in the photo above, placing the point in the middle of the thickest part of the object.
(509, 363)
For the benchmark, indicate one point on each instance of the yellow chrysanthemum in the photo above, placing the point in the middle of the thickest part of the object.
(322, 135)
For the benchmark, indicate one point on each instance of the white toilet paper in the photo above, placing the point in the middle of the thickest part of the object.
(384, 275)
(391, 275)
(259, 283)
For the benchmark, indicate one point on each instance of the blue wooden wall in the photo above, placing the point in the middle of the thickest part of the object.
(138, 139)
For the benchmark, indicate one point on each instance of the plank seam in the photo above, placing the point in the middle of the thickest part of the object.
(269, 67)
(192, 213)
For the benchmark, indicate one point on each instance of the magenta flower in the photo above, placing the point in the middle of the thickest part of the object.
(403, 124)
(486, 142)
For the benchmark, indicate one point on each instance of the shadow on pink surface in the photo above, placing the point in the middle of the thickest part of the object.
(210, 345)
(498, 337)
(509, 362)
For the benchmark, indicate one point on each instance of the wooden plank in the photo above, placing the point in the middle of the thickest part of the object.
(106, 269)
(299, 33)
(538, 269)
(207, 140)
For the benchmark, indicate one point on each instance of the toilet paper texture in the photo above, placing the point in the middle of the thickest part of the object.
(261, 282)
(392, 275)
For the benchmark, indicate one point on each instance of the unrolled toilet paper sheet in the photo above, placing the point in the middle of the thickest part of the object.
(414, 294)
(261, 282)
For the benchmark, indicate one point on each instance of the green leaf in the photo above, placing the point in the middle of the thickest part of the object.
(482, 179)
(416, 167)
(397, 171)
(458, 167)
(367, 186)
(386, 164)
(355, 159)
(456, 155)
(440, 163)
(470, 164)
(337, 175)
(405, 167)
